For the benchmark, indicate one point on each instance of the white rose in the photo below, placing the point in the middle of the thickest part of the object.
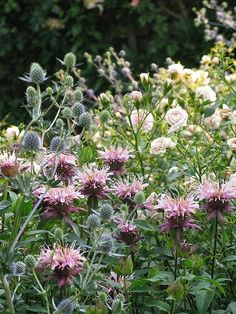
(12, 132)
(206, 93)
(176, 117)
(214, 120)
(160, 145)
(232, 143)
(136, 95)
(141, 119)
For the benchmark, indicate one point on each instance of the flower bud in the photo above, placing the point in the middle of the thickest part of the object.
(18, 269)
(106, 243)
(102, 296)
(31, 141)
(57, 144)
(66, 306)
(78, 95)
(176, 291)
(85, 120)
(139, 198)
(117, 306)
(68, 81)
(104, 116)
(59, 123)
(37, 75)
(106, 212)
(67, 113)
(77, 110)
(70, 60)
(31, 96)
(58, 233)
(93, 221)
(30, 261)
(49, 90)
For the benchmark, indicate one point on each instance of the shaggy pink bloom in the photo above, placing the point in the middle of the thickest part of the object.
(126, 190)
(217, 198)
(119, 283)
(115, 158)
(65, 166)
(128, 233)
(64, 262)
(93, 181)
(178, 213)
(58, 202)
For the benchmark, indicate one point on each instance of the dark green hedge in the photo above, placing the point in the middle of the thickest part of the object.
(43, 30)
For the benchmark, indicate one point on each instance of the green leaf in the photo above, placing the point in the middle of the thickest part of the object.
(231, 308)
(140, 285)
(203, 300)
(4, 204)
(158, 304)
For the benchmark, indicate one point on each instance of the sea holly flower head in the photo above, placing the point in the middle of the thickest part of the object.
(63, 263)
(217, 198)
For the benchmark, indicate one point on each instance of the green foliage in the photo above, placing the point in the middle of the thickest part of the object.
(30, 29)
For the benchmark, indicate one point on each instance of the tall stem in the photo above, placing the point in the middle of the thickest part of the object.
(8, 294)
(214, 249)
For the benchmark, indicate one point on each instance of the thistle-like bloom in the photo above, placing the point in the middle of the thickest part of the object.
(128, 233)
(93, 181)
(62, 262)
(178, 213)
(115, 158)
(126, 190)
(58, 202)
(217, 198)
(65, 166)
(8, 165)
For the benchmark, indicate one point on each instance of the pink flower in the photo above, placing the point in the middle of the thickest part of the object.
(217, 198)
(58, 202)
(135, 3)
(126, 190)
(128, 233)
(65, 166)
(115, 158)
(177, 213)
(63, 262)
(150, 206)
(93, 181)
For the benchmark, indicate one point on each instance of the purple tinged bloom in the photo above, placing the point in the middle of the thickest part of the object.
(93, 182)
(217, 198)
(58, 202)
(128, 233)
(178, 212)
(62, 262)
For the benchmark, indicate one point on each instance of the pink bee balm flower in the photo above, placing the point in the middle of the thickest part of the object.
(128, 233)
(63, 262)
(126, 190)
(178, 213)
(93, 181)
(217, 198)
(65, 166)
(58, 202)
(115, 158)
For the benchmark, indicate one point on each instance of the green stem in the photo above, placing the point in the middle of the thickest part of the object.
(214, 249)
(8, 294)
(5, 194)
(42, 290)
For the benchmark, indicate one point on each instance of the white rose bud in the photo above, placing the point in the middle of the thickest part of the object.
(232, 143)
